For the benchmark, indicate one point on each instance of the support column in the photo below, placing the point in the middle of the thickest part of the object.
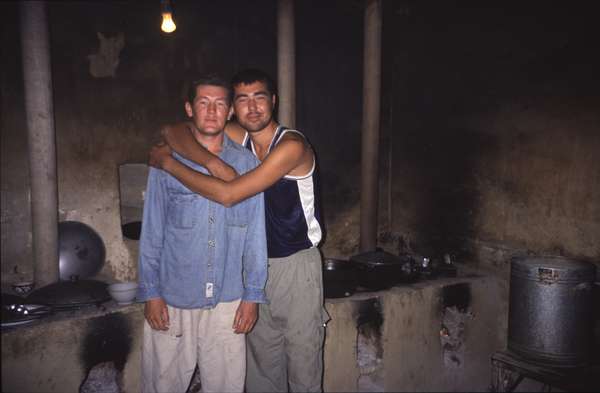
(369, 194)
(39, 111)
(286, 63)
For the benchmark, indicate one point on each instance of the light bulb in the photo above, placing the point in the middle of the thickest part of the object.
(168, 26)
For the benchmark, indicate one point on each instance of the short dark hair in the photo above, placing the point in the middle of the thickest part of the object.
(251, 75)
(208, 80)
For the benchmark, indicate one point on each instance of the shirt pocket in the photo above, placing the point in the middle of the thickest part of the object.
(237, 216)
(181, 212)
(236, 233)
(236, 224)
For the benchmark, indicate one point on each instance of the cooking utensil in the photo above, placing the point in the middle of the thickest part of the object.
(339, 278)
(23, 287)
(378, 270)
(64, 295)
(19, 314)
(9, 299)
(551, 309)
(81, 250)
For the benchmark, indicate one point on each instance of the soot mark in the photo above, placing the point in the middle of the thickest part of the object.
(369, 312)
(457, 295)
(370, 321)
(108, 338)
(369, 343)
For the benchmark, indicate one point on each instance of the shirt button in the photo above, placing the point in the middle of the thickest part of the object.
(211, 220)
(211, 243)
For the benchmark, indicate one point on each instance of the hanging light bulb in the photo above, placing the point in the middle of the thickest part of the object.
(168, 26)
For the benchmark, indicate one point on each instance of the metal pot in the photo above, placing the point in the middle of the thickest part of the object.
(550, 318)
(378, 270)
(339, 278)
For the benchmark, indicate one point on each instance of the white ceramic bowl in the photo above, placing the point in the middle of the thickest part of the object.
(123, 292)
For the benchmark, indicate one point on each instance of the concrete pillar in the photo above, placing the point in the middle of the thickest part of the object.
(370, 127)
(39, 111)
(286, 63)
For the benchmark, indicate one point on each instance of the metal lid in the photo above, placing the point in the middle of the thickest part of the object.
(81, 250)
(554, 268)
(8, 299)
(377, 258)
(338, 264)
(68, 294)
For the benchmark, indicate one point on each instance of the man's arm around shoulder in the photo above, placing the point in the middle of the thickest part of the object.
(179, 138)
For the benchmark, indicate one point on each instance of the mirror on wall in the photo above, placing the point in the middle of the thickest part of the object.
(132, 185)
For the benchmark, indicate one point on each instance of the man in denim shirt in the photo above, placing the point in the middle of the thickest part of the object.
(202, 266)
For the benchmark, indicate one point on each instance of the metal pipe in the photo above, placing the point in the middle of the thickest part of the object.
(41, 140)
(369, 194)
(286, 63)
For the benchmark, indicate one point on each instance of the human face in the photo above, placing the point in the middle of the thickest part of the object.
(253, 105)
(210, 109)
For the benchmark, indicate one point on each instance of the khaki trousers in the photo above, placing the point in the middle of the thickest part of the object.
(200, 336)
(285, 348)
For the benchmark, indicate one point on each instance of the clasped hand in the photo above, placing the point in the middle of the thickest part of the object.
(159, 153)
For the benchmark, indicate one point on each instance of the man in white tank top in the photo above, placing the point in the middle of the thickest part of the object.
(285, 347)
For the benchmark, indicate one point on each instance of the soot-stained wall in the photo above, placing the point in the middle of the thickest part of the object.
(491, 116)
(116, 78)
(489, 135)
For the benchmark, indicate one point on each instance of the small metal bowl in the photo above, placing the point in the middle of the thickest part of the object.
(23, 287)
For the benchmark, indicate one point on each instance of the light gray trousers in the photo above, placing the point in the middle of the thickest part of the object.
(285, 348)
(202, 336)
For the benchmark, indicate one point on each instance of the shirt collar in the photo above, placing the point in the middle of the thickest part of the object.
(226, 141)
(226, 145)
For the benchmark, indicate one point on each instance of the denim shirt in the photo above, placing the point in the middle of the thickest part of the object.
(195, 253)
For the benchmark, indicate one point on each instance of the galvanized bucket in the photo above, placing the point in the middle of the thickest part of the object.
(551, 315)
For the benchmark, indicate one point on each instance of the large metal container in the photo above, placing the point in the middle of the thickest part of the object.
(550, 319)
